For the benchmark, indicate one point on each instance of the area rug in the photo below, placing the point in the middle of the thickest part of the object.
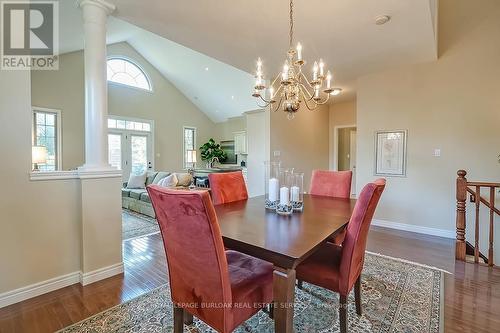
(397, 296)
(137, 225)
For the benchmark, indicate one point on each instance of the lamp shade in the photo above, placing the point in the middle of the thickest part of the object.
(191, 156)
(39, 154)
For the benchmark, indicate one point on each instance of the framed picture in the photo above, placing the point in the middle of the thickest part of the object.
(390, 153)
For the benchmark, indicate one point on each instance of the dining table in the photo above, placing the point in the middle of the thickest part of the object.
(283, 240)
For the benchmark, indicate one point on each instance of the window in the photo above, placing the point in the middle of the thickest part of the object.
(189, 144)
(125, 72)
(130, 125)
(47, 133)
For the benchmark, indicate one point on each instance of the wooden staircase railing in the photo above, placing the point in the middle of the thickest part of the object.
(465, 187)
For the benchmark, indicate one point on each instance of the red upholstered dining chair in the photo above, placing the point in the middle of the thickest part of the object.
(331, 183)
(338, 268)
(335, 184)
(221, 288)
(227, 187)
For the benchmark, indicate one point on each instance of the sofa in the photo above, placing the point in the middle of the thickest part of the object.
(137, 199)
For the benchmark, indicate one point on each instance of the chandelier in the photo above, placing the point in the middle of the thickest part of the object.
(294, 87)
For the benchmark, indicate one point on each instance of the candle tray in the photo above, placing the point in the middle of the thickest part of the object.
(271, 204)
(298, 206)
(284, 209)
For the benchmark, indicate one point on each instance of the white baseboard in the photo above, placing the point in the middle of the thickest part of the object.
(101, 274)
(414, 228)
(40, 288)
(37, 289)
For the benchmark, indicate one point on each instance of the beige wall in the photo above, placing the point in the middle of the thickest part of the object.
(452, 104)
(225, 130)
(303, 142)
(40, 221)
(166, 105)
(341, 114)
(258, 150)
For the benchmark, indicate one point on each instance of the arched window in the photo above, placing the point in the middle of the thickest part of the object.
(124, 71)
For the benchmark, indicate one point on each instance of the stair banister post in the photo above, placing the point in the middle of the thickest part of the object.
(460, 246)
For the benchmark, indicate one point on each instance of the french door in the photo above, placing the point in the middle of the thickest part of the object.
(130, 152)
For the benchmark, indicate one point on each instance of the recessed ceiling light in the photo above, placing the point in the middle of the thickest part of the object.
(382, 19)
(336, 91)
(216, 111)
(206, 68)
(232, 97)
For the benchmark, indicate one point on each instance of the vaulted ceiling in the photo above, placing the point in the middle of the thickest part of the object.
(227, 36)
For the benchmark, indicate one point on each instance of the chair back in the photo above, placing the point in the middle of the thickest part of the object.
(197, 264)
(331, 183)
(354, 245)
(227, 187)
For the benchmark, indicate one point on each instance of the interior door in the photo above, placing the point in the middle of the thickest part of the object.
(352, 160)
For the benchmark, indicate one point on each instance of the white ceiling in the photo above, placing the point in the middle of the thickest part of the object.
(342, 32)
(221, 92)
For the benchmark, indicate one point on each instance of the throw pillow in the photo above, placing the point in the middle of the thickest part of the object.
(184, 179)
(137, 181)
(169, 181)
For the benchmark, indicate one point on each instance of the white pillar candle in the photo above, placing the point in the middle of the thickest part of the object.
(273, 189)
(284, 196)
(294, 193)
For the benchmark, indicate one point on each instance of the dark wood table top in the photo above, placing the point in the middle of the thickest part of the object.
(248, 227)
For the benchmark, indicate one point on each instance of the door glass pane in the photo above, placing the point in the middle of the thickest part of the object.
(139, 148)
(115, 150)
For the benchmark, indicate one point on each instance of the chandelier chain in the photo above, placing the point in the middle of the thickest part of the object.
(291, 24)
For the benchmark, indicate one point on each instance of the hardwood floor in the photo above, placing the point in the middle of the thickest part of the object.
(472, 292)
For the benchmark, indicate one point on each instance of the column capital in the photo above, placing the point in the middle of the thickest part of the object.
(106, 6)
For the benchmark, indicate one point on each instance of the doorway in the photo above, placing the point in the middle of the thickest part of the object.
(130, 148)
(345, 152)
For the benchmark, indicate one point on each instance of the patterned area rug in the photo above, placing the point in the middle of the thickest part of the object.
(136, 225)
(397, 296)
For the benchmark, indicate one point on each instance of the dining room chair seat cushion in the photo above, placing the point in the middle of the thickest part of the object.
(227, 187)
(322, 268)
(251, 283)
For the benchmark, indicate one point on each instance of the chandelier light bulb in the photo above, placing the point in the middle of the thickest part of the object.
(299, 51)
(321, 67)
(285, 71)
(315, 71)
(328, 80)
(271, 92)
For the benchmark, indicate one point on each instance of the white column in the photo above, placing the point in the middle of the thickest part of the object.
(95, 14)
(101, 224)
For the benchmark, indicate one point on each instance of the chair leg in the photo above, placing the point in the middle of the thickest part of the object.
(188, 318)
(271, 310)
(357, 295)
(299, 284)
(343, 314)
(178, 319)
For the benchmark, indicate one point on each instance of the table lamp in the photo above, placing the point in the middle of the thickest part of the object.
(38, 156)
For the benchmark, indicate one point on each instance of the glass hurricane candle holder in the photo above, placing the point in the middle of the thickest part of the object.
(285, 206)
(297, 191)
(271, 185)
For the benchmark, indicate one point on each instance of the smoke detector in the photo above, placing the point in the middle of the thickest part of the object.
(382, 19)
